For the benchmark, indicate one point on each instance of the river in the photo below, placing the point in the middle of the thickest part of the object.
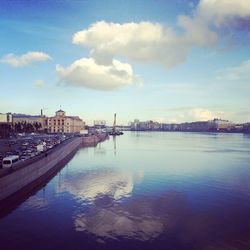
(142, 190)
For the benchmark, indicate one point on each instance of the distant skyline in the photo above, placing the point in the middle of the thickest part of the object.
(167, 61)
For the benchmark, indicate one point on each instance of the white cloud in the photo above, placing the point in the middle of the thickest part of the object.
(195, 114)
(87, 73)
(241, 72)
(199, 114)
(25, 59)
(142, 42)
(153, 42)
(197, 32)
(146, 42)
(39, 83)
(221, 11)
(202, 28)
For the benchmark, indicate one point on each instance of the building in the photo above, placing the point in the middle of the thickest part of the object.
(143, 126)
(5, 125)
(40, 120)
(99, 123)
(222, 125)
(6, 118)
(60, 123)
(135, 124)
(200, 126)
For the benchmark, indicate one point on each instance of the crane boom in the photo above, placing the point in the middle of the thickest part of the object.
(114, 131)
(114, 124)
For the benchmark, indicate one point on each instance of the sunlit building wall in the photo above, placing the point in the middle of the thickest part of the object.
(60, 123)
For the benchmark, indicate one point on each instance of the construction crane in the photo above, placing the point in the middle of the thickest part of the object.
(114, 124)
(114, 131)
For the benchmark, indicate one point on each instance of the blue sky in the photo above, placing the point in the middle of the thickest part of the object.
(168, 61)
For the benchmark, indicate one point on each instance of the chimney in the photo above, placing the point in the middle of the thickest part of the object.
(41, 113)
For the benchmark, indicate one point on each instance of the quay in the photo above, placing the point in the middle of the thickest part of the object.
(23, 174)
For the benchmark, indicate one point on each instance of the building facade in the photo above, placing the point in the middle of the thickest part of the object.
(199, 126)
(60, 123)
(223, 125)
(6, 118)
(99, 123)
(5, 125)
(31, 119)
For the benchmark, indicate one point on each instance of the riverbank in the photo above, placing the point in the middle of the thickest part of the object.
(26, 173)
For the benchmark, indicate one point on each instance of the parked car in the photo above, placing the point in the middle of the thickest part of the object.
(23, 158)
(9, 153)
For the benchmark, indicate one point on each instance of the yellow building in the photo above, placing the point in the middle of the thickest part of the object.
(60, 123)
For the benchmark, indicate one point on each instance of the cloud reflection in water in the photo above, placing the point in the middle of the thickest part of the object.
(108, 217)
(102, 212)
(98, 183)
(140, 218)
(110, 223)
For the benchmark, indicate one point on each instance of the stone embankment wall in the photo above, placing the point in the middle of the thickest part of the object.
(94, 139)
(21, 176)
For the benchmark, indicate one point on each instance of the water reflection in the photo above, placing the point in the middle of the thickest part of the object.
(139, 218)
(36, 203)
(99, 150)
(114, 142)
(177, 191)
(94, 184)
(171, 215)
(113, 224)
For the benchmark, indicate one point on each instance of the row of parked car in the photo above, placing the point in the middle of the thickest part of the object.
(29, 147)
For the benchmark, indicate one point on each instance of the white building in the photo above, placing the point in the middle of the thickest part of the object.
(6, 118)
(99, 123)
(135, 124)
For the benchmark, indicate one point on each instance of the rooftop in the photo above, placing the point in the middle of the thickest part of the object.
(26, 116)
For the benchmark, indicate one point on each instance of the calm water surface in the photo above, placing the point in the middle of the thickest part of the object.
(142, 191)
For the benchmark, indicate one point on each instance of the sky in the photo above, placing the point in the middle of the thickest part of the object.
(167, 61)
